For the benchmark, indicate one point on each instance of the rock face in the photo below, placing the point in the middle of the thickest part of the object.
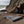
(13, 4)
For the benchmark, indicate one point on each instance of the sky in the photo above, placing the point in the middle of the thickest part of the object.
(4, 2)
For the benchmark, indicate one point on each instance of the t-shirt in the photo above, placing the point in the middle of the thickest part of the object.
(22, 6)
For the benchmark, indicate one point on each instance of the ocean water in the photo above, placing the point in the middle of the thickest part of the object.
(2, 7)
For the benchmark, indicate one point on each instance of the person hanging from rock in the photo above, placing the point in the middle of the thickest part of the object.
(21, 8)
